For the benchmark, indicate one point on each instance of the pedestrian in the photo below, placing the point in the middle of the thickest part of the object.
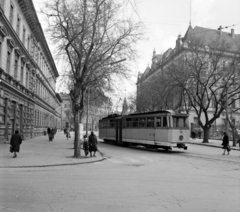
(85, 145)
(52, 134)
(238, 142)
(225, 143)
(92, 140)
(15, 143)
(199, 133)
(49, 133)
(67, 133)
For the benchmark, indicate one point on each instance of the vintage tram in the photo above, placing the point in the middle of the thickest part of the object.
(159, 129)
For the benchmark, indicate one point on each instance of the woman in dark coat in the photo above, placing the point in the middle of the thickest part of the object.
(92, 140)
(49, 133)
(225, 143)
(15, 142)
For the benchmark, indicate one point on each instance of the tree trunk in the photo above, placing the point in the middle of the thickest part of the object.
(77, 152)
(233, 134)
(205, 135)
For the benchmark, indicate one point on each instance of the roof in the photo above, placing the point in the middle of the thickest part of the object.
(211, 35)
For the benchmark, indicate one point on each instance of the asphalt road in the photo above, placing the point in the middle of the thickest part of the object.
(130, 179)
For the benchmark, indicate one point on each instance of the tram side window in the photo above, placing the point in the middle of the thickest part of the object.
(129, 122)
(150, 121)
(135, 122)
(124, 123)
(164, 121)
(159, 122)
(112, 123)
(142, 122)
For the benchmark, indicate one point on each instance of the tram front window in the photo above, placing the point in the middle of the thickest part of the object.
(180, 122)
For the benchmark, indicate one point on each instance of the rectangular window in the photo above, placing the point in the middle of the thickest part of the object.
(27, 77)
(112, 123)
(8, 62)
(142, 122)
(179, 122)
(22, 72)
(124, 123)
(11, 13)
(164, 121)
(24, 35)
(28, 43)
(159, 122)
(135, 122)
(18, 25)
(150, 122)
(16, 67)
(129, 122)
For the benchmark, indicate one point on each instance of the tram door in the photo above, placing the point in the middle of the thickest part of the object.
(119, 131)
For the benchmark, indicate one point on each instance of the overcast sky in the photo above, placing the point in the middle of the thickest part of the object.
(166, 19)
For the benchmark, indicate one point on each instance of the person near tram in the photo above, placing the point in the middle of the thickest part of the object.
(15, 142)
(225, 143)
(92, 140)
(85, 145)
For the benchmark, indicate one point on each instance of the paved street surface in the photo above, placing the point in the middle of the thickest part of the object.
(130, 179)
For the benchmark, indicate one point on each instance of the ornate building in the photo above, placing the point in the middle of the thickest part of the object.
(28, 101)
(161, 63)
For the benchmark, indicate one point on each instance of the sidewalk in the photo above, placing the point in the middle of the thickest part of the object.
(39, 152)
(212, 143)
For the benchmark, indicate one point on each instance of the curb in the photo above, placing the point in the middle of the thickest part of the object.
(52, 165)
(210, 145)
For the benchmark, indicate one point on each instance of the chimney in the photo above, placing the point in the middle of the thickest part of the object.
(232, 33)
(220, 29)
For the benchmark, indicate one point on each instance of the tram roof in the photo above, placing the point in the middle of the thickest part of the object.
(147, 113)
(156, 112)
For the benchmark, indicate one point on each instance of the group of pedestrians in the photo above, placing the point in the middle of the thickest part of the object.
(90, 145)
(51, 132)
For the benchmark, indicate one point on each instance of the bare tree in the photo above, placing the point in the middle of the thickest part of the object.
(92, 36)
(158, 93)
(209, 77)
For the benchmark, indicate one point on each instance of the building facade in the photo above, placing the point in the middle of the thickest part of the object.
(94, 110)
(161, 62)
(28, 101)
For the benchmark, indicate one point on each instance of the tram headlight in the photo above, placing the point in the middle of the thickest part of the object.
(180, 137)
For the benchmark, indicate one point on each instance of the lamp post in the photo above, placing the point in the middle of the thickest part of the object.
(227, 124)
